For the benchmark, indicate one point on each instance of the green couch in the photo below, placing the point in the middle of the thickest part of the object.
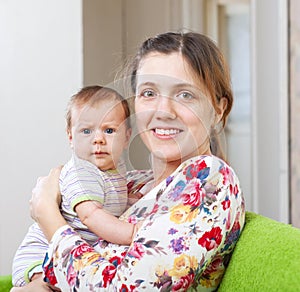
(266, 258)
(5, 283)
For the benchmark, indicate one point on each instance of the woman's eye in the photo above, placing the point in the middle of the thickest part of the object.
(109, 131)
(185, 95)
(148, 93)
(86, 131)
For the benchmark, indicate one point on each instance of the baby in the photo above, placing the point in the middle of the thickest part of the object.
(92, 182)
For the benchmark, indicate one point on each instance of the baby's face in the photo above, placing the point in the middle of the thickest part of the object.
(99, 133)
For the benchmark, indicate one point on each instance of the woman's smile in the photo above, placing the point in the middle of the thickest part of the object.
(166, 133)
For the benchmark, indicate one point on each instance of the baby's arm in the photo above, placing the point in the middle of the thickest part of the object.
(105, 225)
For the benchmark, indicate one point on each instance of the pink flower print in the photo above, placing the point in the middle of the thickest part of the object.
(225, 171)
(137, 250)
(132, 219)
(81, 249)
(71, 275)
(155, 209)
(228, 221)
(184, 283)
(195, 197)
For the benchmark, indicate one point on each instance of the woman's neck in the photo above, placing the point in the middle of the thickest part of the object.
(162, 169)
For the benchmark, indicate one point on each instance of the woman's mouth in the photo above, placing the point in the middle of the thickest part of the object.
(166, 133)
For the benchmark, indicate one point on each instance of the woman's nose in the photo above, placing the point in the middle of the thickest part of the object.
(99, 138)
(165, 108)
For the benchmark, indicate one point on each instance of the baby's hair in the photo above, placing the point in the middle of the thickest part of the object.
(92, 94)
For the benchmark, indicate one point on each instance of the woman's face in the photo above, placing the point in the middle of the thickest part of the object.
(173, 111)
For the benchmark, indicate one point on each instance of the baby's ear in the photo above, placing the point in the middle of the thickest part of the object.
(70, 137)
(128, 135)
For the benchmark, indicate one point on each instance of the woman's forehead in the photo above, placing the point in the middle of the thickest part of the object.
(168, 69)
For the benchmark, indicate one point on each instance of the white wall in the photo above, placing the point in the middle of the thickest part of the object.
(270, 100)
(103, 35)
(40, 67)
(259, 150)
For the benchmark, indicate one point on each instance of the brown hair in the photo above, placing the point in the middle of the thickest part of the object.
(92, 94)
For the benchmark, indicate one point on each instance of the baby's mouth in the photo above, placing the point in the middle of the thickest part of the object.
(100, 153)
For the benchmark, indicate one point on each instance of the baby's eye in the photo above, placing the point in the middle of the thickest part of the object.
(109, 131)
(148, 93)
(86, 131)
(185, 95)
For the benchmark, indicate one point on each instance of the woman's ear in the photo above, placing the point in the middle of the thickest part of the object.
(221, 107)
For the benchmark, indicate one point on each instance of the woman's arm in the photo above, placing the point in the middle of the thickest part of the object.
(45, 201)
(105, 225)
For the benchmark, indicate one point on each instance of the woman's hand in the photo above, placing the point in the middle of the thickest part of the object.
(45, 201)
(37, 284)
(133, 198)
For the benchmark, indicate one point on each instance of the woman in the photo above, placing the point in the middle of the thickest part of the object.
(194, 212)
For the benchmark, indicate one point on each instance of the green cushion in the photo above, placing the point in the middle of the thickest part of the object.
(5, 283)
(266, 258)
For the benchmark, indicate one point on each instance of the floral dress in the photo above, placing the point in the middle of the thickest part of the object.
(191, 223)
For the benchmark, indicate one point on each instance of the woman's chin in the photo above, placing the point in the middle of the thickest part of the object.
(172, 155)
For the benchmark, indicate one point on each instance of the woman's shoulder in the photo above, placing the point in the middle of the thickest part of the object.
(205, 161)
(207, 167)
(212, 176)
